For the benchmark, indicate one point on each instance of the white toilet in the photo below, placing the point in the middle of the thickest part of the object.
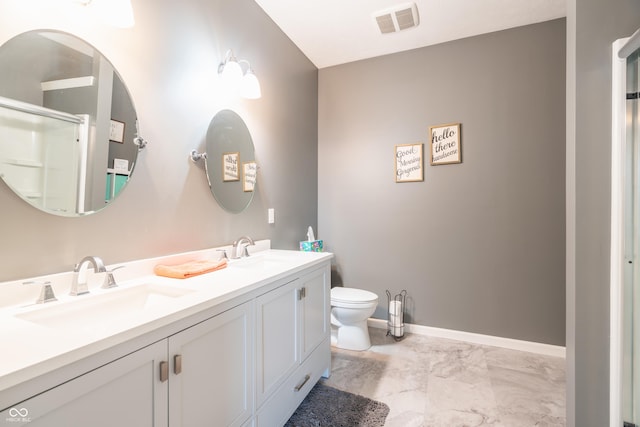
(350, 309)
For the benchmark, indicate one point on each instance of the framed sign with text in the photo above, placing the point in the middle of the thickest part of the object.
(116, 131)
(408, 161)
(230, 167)
(445, 144)
(249, 174)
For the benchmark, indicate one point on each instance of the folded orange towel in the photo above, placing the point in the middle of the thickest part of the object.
(189, 269)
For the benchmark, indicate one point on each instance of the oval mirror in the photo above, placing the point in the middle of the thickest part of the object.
(231, 166)
(68, 126)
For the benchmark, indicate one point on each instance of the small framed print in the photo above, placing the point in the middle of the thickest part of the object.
(249, 174)
(121, 165)
(408, 163)
(230, 167)
(116, 131)
(445, 144)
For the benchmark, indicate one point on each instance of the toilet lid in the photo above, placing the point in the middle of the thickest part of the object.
(352, 295)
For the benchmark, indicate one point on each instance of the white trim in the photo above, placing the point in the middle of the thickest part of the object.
(83, 154)
(618, 135)
(71, 83)
(528, 346)
(631, 44)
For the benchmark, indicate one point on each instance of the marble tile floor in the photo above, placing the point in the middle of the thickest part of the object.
(435, 382)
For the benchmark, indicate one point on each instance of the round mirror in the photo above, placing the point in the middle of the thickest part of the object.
(68, 126)
(231, 166)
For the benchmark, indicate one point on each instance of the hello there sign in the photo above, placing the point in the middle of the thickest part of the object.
(445, 144)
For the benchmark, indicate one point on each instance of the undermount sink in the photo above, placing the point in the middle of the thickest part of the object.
(260, 261)
(99, 311)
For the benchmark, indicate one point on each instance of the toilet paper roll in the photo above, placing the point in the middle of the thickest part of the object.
(395, 320)
(395, 308)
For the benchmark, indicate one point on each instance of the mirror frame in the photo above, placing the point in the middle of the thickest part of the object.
(70, 75)
(228, 138)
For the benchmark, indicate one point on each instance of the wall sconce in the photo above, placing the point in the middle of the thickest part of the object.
(245, 82)
(118, 13)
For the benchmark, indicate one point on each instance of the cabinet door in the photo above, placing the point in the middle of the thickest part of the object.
(276, 338)
(211, 371)
(314, 307)
(126, 392)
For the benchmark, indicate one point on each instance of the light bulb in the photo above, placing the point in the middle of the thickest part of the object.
(250, 86)
(118, 13)
(232, 73)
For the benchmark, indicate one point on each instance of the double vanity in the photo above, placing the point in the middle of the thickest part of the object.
(241, 346)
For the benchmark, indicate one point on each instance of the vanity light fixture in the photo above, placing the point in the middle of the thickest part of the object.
(250, 86)
(245, 82)
(118, 13)
(230, 70)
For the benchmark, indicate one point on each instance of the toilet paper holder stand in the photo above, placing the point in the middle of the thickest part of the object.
(395, 317)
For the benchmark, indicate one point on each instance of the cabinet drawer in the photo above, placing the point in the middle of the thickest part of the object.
(126, 392)
(283, 403)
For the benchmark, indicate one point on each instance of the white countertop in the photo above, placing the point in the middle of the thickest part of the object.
(31, 349)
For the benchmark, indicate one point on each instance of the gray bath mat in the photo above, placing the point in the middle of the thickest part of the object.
(329, 407)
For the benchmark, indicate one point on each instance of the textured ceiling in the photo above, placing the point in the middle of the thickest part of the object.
(332, 32)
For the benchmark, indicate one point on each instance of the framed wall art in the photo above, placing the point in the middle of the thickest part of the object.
(116, 131)
(408, 163)
(230, 166)
(249, 175)
(445, 144)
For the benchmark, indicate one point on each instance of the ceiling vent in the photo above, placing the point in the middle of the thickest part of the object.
(398, 18)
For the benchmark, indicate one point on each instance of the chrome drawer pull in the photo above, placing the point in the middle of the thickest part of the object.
(299, 386)
(164, 371)
(177, 364)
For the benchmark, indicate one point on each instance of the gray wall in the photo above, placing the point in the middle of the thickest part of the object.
(479, 246)
(594, 26)
(28, 60)
(169, 63)
(123, 110)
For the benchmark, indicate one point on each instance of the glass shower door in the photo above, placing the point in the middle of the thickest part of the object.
(631, 291)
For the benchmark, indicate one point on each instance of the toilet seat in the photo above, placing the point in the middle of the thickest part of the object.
(350, 297)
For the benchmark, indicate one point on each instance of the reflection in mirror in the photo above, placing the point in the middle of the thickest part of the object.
(68, 127)
(230, 161)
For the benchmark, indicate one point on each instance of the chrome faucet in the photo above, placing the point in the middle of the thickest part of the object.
(109, 280)
(79, 283)
(237, 247)
(46, 292)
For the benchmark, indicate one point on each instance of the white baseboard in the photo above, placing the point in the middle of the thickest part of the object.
(531, 347)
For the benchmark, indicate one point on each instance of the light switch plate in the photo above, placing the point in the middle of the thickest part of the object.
(271, 214)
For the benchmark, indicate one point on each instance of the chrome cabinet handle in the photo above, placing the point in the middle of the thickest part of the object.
(177, 364)
(304, 381)
(164, 371)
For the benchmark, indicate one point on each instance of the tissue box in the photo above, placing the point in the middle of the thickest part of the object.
(312, 246)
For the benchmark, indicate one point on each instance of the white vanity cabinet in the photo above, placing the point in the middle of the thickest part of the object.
(200, 376)
(211, 374)
(125, 392)
(246, 361)
(292, 323)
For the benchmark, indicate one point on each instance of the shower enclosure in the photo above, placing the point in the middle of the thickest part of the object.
(631, 288)
(625, 235)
